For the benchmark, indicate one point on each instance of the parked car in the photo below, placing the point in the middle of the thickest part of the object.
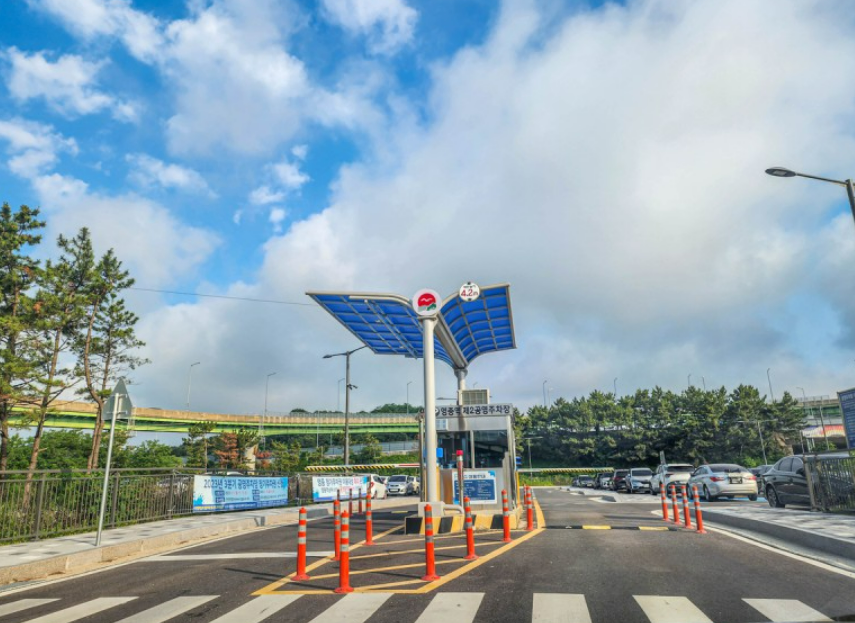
(601, 480)
(586, 481)
(401, 484)
(673, 474)
(724, 480)
(378, 486)
(638, 480)
(618, 479)
(786, 483)
(758, 474)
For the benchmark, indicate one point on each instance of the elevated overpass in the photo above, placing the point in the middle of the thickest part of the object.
(81, 415)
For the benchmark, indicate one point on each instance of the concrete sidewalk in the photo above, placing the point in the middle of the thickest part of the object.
(39, 560)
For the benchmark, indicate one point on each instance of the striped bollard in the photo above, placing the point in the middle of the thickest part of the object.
(674, 508)
(430, 563)
(301, 547)
(687, 522)
(664, 503)
(344, 564)
(350, 502)
(369, 524)
(698, 518)
(470, 532)
(529, 510)
(506, 517)
(336, 513)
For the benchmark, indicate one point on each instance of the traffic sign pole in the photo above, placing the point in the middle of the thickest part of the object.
(117, 400)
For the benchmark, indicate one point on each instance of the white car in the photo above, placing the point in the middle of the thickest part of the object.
(401, 484)
(673, 474)
(378, 486)
(724, 480)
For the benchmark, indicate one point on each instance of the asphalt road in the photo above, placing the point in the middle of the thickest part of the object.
(605, 567)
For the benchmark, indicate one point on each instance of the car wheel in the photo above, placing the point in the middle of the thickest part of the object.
(708, 496)
(772, 496)
(752, 498)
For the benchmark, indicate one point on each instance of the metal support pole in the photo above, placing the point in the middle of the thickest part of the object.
(432, 488)
(850, 192)
(762, 443)
(346, 411)
(113, 423)
(822, 423)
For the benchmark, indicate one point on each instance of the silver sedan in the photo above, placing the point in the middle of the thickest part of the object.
(724, 480)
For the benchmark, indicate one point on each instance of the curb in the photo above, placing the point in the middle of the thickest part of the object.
(89, 559)
(828, 544)
(414, 524)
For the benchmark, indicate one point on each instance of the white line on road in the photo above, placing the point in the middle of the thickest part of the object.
(457, 607)
(353, 608)
(670, 609)
(785, 610)
(169, 609)
(85, 609)
(191, 557)
(258, 609)
(23, 604)
(559, 608)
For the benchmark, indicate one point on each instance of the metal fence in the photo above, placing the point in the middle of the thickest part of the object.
(55, 502)
(832, 483)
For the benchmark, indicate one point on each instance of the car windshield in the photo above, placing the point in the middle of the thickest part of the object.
(726, 468)
(398, 479)
(643, 471)
(680, 468)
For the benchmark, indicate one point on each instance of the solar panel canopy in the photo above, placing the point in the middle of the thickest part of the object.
(388, 325)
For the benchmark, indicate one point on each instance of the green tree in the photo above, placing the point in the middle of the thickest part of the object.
(18, 273)
(286, 457)
(371, 451)
(152, 454)
(196, 444)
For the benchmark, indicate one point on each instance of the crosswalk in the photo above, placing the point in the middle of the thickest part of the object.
(359, 607)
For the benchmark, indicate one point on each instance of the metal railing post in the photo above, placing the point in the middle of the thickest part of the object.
(114, 500)
(40, 500)
(810, 484)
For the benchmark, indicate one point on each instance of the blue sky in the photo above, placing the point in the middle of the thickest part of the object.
(605, 159)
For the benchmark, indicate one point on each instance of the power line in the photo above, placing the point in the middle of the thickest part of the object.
(222, 296)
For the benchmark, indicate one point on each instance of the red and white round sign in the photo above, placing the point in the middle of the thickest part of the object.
(469, 292)
(426, 302)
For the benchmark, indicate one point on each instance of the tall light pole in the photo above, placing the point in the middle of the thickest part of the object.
(338, 396)
(544, 393)
(689, 382)
(615, 386)
(528, 439)
(261, 427)
(189, 380)
(760, 432)
(347, 388)
(704, 381)
(847, 184)
(408, 396)
(804, 413)
(769, 378)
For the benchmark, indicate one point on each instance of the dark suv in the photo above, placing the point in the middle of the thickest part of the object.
(619, 479)
(786, 483)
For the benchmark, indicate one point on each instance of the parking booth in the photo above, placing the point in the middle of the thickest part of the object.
(485, 434)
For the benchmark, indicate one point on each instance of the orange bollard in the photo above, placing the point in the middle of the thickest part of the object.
(676, 517)
(529, 510)
(698, 518)
(470, 531)
(506, 517)
(461, 493)
(687, 523)
(430, 563)
(350, 502)
(344, 565)
(336, 513)
(301, 547)
(369, 524)
(664, 503)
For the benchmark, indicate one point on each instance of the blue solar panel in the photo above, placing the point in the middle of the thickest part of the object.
(391, 327)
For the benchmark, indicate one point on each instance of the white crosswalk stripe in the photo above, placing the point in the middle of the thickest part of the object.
(353, 608)
(670, 609)
(457, 607)
(442, 608)
(80, 611)
(23, 604)
(785, 610)
(168, 609)
(559, 608)
(257, 610)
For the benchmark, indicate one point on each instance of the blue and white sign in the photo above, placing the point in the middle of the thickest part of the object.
(324, 488)
(847, 409)
(227, 493)
(479, 486)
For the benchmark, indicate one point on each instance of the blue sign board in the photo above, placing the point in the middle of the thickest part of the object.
(847, 408)
(226, 493)
(478, 486)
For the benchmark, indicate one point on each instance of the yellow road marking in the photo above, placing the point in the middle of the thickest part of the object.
(420, 550)
(541, 520)
(596, 527)
(381, 569)
(378, 587)
(657, 528)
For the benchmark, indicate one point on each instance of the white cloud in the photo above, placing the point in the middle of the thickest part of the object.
(289, 175)
(300, 151)
(387, 24)
(67, 85)
(237, 216)
(612, 171)
(149, 171)
(277, 217)
(139, 229)
(263, 195)
(33, 147)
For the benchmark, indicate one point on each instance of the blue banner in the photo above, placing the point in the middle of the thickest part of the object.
(229, 493)
(479, 486)
(847, 409)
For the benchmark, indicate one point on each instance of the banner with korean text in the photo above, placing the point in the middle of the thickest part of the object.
(232, 493)
(324, 488)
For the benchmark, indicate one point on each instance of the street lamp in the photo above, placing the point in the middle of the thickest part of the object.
(544, 392)
(760, 432)
(347, 388)
(261, 426)
(408, 396)
(847, 184)
(615, 386)
(189, 379)
(528, 439)
(769, 378)
(338, 396)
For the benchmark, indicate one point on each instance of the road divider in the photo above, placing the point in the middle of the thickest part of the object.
(369, 521)
(686, 521)
(344, 563)
(470, 531)
(664, 503)
(676, 513)
(506, 517)
(337, 529)
(699, 521)
(301, 547)
(430, 562)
